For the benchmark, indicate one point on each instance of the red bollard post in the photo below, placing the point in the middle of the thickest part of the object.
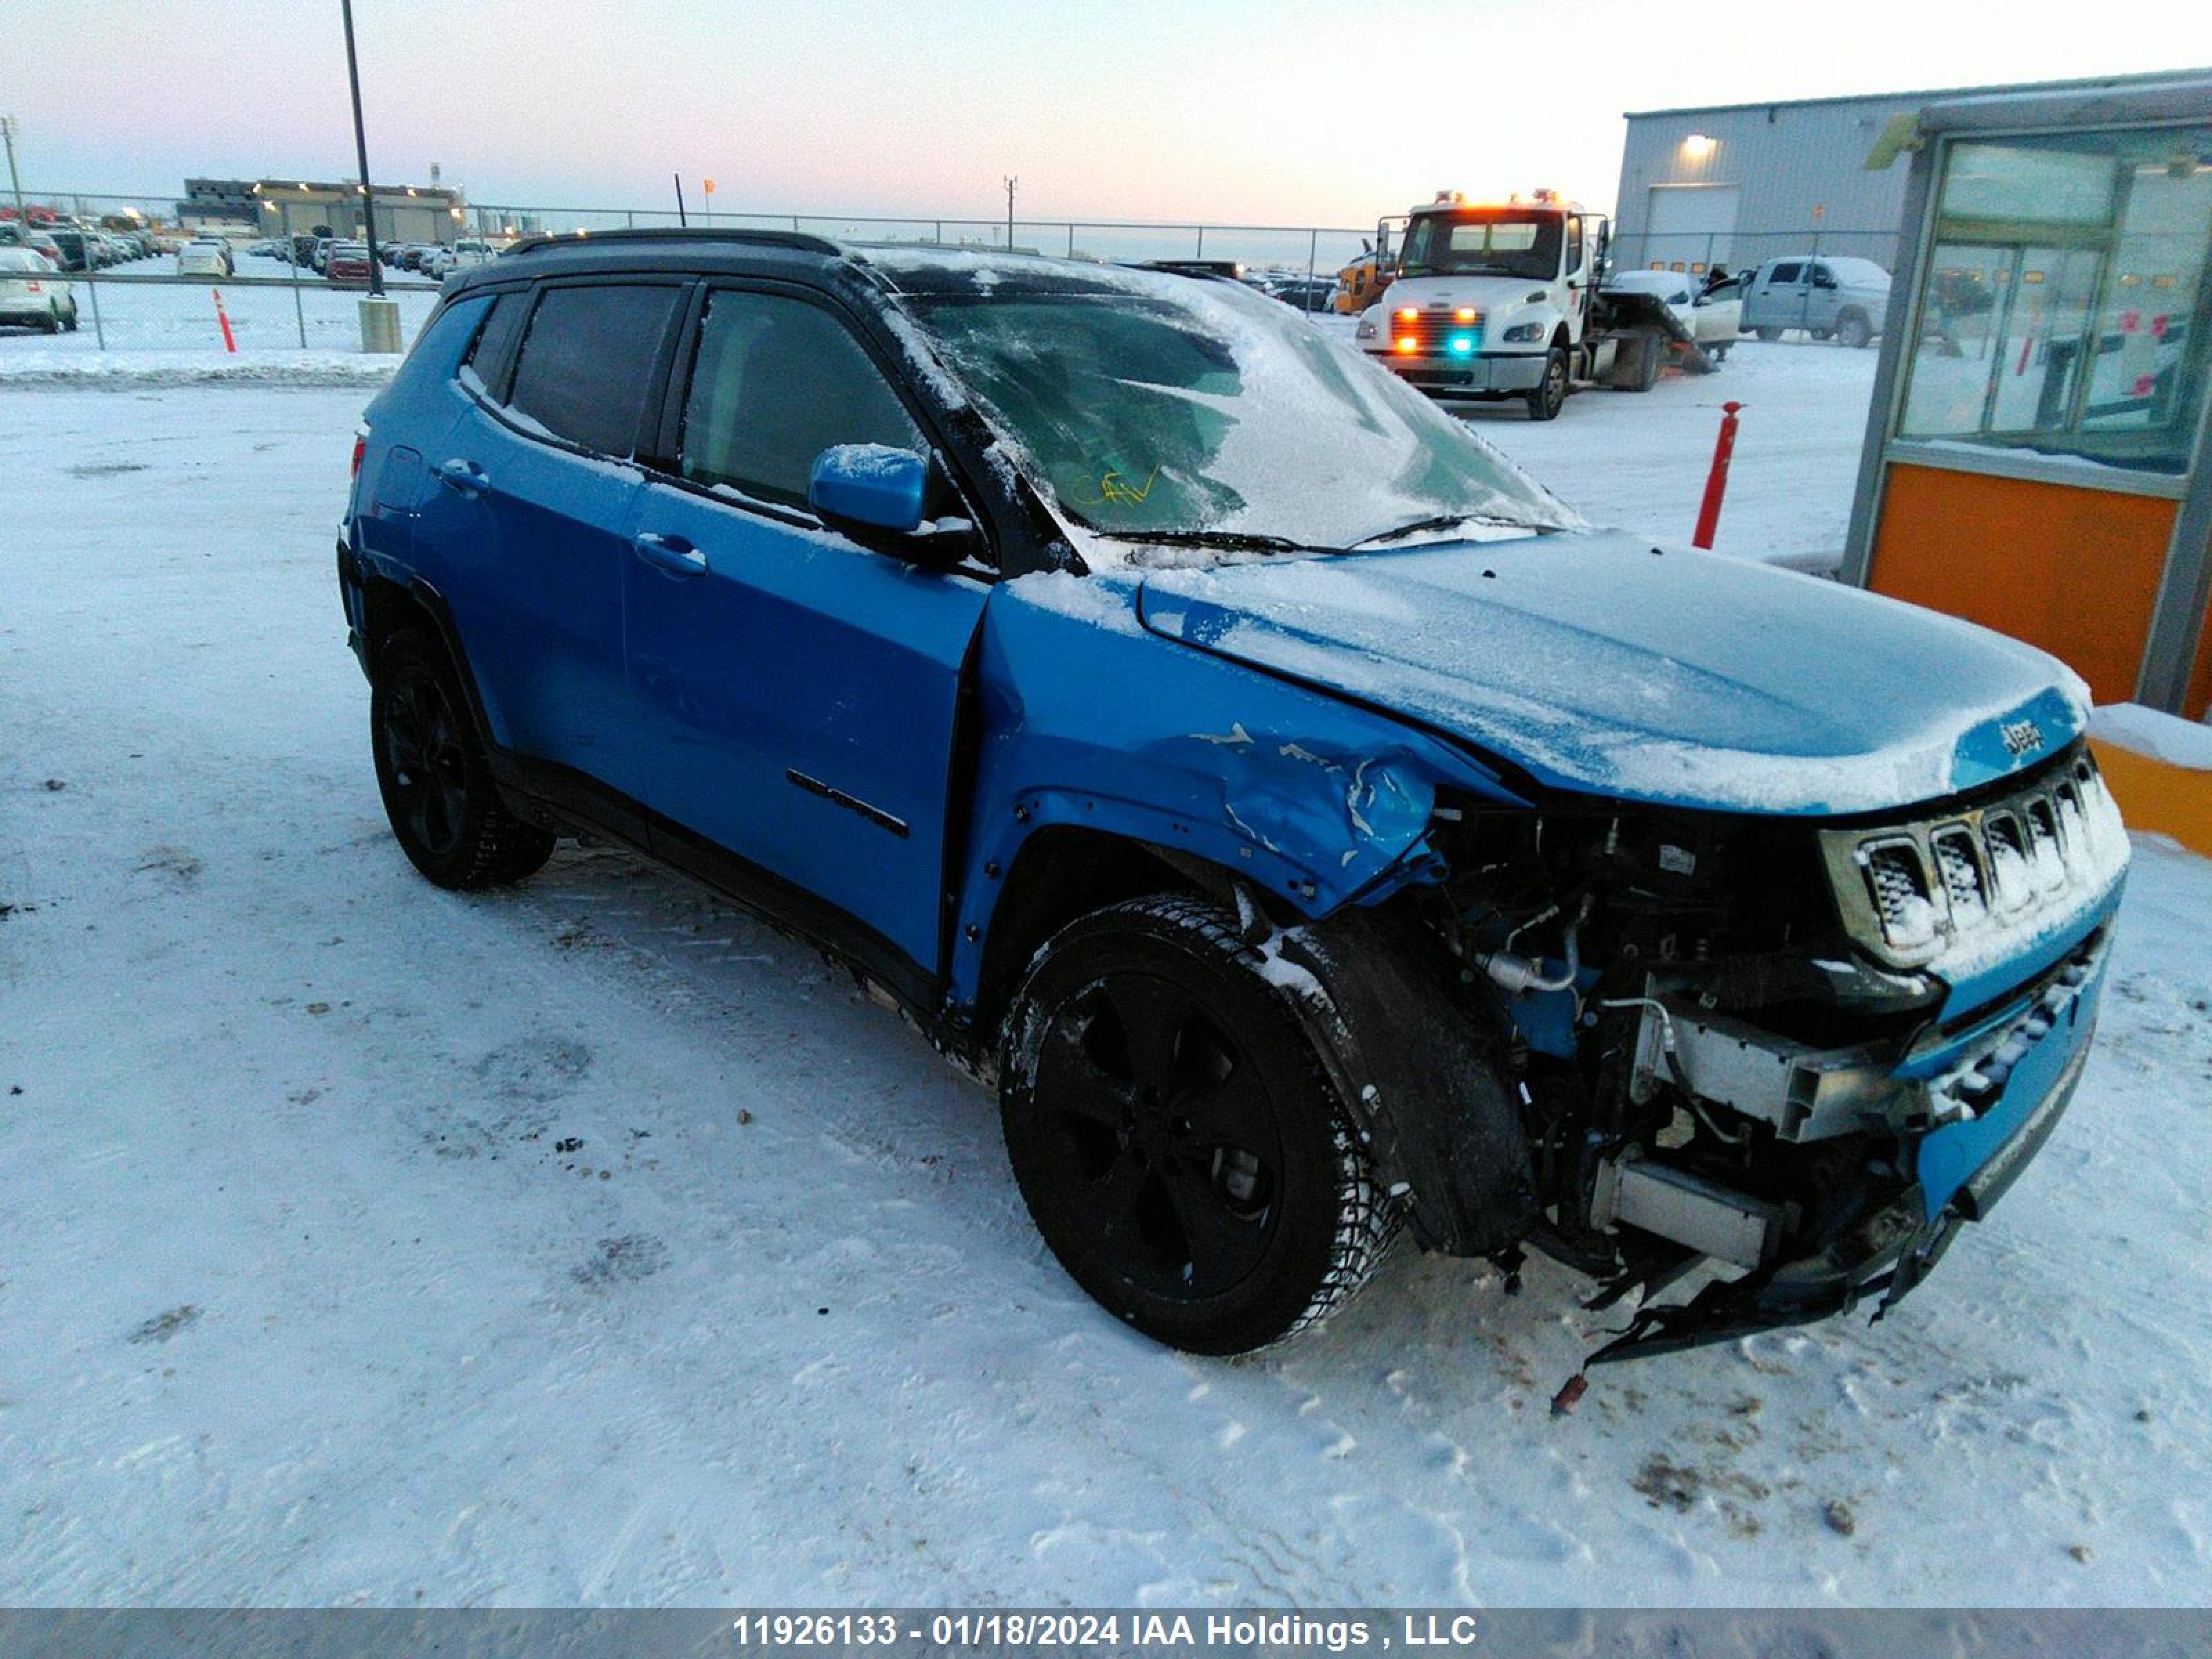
(1709, 510)
(229, 340)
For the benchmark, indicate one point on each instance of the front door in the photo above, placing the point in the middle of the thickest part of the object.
(797, 692)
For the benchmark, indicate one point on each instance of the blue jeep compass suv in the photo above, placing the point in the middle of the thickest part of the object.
(1303, 821)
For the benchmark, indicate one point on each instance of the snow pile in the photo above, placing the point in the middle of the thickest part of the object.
(127, 370)
(2158, 735)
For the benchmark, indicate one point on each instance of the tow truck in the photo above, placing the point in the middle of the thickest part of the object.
(1497, 301)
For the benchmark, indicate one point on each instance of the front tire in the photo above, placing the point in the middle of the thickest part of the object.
(1767, 336)
(1178, 1145)
(1551, 393)
(435, 778)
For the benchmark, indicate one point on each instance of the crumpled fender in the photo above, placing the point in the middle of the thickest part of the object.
(1089, 720)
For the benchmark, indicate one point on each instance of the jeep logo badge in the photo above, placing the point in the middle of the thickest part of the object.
(2022, 737)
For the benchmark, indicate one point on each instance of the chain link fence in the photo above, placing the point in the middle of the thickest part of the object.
(121, 309)
(273, 305)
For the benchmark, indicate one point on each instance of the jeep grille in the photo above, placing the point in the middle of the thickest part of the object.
(1910, 892)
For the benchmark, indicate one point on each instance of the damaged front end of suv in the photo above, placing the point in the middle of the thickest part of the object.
(1728, 934)
(1783, 1060)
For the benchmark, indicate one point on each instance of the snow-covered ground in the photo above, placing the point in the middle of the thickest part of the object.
(359, 1242)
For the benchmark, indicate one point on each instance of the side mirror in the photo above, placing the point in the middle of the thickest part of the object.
(871, 485)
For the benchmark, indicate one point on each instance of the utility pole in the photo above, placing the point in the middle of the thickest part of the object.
(1010, 182)
(360, 151)
(14, 182)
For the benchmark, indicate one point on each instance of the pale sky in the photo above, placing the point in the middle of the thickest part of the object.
(1221, 110)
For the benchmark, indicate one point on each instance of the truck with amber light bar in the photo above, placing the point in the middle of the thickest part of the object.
(1494, 301)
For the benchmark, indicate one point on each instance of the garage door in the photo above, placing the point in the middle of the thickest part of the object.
(1690, 226)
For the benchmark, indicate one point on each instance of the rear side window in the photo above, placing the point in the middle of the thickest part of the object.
(776, 381)
(451, 325)
(586, 362)
(486, 358)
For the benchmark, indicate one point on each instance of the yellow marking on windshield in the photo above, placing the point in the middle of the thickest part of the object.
(1116, 487)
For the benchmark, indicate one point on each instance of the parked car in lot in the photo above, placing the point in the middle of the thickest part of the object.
(1711, 313)
(14, 234)
(204, 256)
(1306, 294)
(1305, 822)
(1830, 297)
(346, 265)
(75, 250)
(32, 294)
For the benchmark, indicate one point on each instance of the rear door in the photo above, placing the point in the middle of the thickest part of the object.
(798, 691)
(537, 490)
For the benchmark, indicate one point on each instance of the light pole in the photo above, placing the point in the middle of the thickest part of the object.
(15, 183)
(360, 151)
(1010, 182)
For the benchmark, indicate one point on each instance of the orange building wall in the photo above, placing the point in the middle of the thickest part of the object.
(2072, 570)
(2197, 705)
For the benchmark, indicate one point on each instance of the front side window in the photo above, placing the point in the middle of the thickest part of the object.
(1484, 242)
(774, 382)
(586, 363)
(1788, 272)
(1202, 409)
(2058, 295)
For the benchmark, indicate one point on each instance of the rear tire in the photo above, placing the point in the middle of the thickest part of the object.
(1769, 336)
(1854, 331)
(435, 778)
(1176, 1140)
(1551, 393)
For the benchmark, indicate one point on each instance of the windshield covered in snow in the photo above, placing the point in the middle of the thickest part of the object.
(1483, 242)
(1171, 408)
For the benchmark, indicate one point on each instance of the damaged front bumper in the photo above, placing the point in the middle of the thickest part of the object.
(1979, 1104)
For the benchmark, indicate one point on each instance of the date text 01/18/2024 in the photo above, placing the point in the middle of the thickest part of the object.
(1001, 1627)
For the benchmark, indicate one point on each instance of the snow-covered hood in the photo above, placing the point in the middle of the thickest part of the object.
(1597, 662)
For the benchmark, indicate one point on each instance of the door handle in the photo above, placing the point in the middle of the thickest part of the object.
(670, 554)
(464, 476)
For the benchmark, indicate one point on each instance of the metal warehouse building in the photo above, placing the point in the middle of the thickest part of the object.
(1735, 184)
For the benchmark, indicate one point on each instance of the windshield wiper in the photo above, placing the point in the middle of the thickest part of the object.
(1441, 521)
(1233, 541)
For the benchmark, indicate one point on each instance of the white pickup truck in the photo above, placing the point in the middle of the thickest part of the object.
(1493, 302)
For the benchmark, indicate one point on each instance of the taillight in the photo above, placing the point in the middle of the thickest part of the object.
(32, 286)
(359, 447)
